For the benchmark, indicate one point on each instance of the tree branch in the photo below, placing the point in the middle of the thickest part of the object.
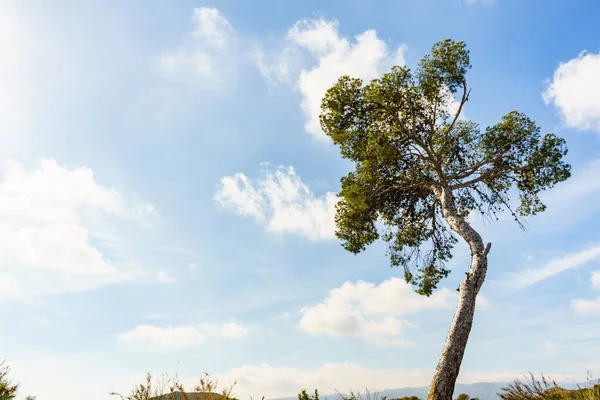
(492, 173)
(465, 98)
(471, 170)
(488, 247)
(423, 184)
(432, 157)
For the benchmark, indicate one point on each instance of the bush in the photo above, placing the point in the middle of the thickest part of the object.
(303, 395)
(546, 389)
(8, 390)
(172, 389)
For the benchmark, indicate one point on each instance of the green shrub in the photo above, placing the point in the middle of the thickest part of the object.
(303, 395)
(407, 398)
(8, 390)
(546, 389)
(172, 389)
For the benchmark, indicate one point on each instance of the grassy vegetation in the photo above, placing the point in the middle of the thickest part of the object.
(166, 388)
(172, 389)
(528, 389)
(547, 389)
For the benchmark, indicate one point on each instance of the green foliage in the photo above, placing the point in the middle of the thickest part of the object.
(408, 146)
(8, 390)
(303, 395)
(368, 395)
(546, 389)
(171, 389)
(464, 396)
(407, 398)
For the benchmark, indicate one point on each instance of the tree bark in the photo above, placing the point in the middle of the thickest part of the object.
(448, 368)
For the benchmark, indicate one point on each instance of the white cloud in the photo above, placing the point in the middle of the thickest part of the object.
(42, 216)
(230, 330)
(596, 279)
(207, 58)
(238, 194)
(276, 68)
(282, 201)
(548, 345)
(274, 382)
(531, 276)
(333, 55)
(46, 375)
(583, 306)
(145, 214)
(165, 278)
(145, 210)
(575, 91)
(451, 104)
(10, 289)
(369, 311)
(366, 58)
(51, 193)
(183, 336)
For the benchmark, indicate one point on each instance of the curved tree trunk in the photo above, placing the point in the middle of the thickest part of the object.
(446, 373)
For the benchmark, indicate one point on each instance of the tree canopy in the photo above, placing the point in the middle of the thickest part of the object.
(409, 142)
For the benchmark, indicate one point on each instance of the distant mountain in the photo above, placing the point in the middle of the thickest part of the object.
(482, 390)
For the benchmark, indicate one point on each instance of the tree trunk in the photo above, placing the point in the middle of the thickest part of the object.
(446, 373)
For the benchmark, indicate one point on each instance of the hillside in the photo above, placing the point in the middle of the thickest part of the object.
(191, 396)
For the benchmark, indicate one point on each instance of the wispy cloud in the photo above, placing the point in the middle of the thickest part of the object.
(554, 267)
(586, 306)
(182, 336)
(583, 306)
(145, 213)
(207, 57)
(229, 330)
(164, 277)
(596, 280)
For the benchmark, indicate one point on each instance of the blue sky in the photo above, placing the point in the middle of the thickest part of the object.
(166, 198)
